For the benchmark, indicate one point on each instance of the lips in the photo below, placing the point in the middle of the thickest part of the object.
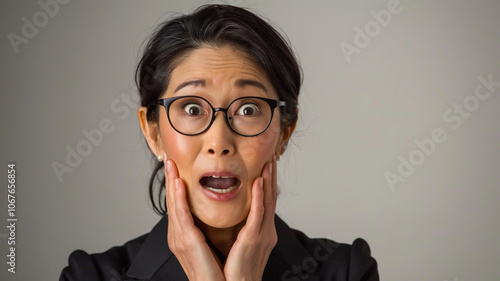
(220, 184)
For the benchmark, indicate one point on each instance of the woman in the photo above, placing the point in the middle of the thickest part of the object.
(219, 92)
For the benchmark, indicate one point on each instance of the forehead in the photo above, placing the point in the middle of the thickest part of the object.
(218, 67)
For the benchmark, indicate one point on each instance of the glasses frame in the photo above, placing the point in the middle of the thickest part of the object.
(273, 104)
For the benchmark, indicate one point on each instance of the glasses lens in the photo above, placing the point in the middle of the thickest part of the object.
(190, 115)
(249, 116)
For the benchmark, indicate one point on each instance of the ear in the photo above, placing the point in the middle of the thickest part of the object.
(150, 131)
(286, 133)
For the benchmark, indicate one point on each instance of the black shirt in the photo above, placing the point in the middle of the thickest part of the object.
(295, 257)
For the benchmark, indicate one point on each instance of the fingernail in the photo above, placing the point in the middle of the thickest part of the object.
(271, 168)
(261, 182)
(169, 167)
(177, 183)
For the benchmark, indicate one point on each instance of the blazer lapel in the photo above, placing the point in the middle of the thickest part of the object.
(287, 255)
(155, 261)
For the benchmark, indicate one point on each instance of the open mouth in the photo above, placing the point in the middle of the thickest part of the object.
(220, 184)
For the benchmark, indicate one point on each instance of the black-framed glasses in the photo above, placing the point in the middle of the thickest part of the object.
(246, 116)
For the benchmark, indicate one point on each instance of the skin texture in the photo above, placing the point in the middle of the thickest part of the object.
(242, 228)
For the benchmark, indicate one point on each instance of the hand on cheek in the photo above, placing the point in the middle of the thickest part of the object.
(249, 254)
(185, 239)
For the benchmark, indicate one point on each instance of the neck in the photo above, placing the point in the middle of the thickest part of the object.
(222, 238)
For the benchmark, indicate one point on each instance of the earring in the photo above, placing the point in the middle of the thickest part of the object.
(278, 158)
(160, 158)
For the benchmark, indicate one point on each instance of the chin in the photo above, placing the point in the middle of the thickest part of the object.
(220, 214)
(223, 218)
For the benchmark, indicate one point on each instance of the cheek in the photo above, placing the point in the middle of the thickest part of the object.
(179, 148)
(258, 147)
(257, 151)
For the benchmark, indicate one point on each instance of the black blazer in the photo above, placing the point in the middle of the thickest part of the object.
(295, 257)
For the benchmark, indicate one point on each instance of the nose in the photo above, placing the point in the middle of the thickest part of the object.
(219, 139)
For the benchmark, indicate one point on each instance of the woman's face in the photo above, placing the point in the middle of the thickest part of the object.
(219, 157)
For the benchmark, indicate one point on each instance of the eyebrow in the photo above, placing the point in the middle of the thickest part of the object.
(240, 83)
(195, 83)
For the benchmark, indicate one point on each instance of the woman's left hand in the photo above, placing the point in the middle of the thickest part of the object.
(250, 252)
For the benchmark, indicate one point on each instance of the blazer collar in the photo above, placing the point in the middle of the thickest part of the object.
(155, 256)
(153, 253)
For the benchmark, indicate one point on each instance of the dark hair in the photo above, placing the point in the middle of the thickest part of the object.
(215, 26)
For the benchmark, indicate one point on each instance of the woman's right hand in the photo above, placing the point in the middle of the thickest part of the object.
(185, 239)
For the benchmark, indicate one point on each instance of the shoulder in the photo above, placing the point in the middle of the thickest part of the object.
(340, 261)
(109, 265)
(324, 259)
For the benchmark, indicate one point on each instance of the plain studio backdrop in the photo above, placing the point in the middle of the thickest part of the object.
(398, 137)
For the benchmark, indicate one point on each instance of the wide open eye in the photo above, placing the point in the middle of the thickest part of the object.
(193, 109)
(248, 109)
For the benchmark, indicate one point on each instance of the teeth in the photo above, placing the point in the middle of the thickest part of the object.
(220, 177)
(221, 190)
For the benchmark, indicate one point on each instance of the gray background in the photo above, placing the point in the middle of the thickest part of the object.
(356, 119)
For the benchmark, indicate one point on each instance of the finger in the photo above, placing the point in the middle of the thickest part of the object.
(270, 193)
(254, 219)
(182, 212)
(171, 173)
(275, 181)
(181, 223)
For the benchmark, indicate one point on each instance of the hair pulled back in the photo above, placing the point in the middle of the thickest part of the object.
(215, 26)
